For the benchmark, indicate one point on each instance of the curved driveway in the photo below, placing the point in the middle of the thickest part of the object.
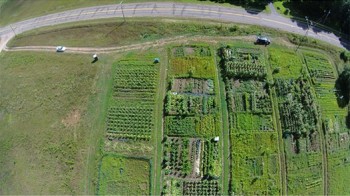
(152, 9)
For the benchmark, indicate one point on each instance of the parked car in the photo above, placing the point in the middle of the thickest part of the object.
(261, 40)
(60, 49)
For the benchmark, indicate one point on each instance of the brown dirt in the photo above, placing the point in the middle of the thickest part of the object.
(72, 119)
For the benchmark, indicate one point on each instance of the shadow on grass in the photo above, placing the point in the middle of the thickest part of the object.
(250, 7)
(114, 29)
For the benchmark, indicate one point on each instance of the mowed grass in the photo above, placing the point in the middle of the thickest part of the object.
(46, 122)
(124, 176)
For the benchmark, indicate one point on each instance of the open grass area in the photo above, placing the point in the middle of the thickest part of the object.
(124, 176)
(48, 125)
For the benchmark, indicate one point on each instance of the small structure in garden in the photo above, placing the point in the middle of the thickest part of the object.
(156, 60)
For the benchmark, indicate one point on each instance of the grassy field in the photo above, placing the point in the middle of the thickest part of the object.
(124, 176)
(47, 121)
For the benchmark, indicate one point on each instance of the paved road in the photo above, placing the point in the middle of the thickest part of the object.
(151, 9)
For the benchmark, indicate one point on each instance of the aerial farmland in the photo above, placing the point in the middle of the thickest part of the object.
(100, 98)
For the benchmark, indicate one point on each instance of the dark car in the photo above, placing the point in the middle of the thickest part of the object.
(262, 41)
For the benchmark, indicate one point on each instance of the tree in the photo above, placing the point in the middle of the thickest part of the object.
(342, 87)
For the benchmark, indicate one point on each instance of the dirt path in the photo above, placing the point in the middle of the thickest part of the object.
(125, 48)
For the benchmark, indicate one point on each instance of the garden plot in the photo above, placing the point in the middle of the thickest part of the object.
(243, 63)
(300, 122)
(191, 50)
(305, 174)
(204, 126)
(285, 63)
(253, 137)
(130, 122)
(248, 96)
(191, 158)
(191, 62)
(339, 171)
(193, 86)
(131, 115)
(255, 163)
(319, 67)
(123, 176)
(135, 81)
(191, 187)
(189, 105)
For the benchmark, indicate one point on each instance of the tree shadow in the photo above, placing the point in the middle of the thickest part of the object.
(114, 29)
(251, 7)
(94, 61)
(318, 21)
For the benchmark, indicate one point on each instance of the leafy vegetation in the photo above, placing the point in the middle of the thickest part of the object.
(243, 63)
(253, 137)
(119, 175)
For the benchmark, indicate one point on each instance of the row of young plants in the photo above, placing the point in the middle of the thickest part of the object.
(253, 137)
(130, 122)
(191, 123)
(178, 187)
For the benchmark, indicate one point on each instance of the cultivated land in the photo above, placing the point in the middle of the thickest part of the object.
(215, 116)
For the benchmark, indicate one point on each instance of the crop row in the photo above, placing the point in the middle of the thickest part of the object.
(192, 86)
(211, 159)
(236, 69)
(204, 187)
(135, 78)
(256, 102)
(185, 105)
(176, 157)
(319, 66)
(136, 120)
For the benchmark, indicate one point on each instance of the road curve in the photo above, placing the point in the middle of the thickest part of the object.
(152, 9)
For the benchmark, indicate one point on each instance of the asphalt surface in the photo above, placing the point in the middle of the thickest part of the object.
(151, 9)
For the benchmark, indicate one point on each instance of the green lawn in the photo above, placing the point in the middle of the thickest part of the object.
(48, 124)
(124, 176)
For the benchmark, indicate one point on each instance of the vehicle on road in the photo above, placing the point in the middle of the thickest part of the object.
(262, 40)
(60, 49)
